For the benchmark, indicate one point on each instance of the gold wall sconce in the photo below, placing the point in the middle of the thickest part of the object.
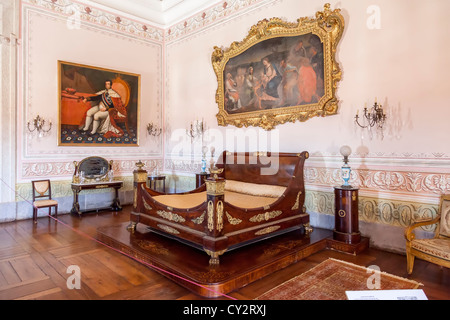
(39, 125)
(153, 130)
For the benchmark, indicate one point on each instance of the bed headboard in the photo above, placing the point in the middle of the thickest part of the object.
(262, 167)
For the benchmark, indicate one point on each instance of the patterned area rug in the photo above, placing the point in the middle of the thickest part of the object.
(330, 279)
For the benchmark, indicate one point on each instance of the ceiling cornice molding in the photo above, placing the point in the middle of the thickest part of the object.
(185, 23)
(162, 14)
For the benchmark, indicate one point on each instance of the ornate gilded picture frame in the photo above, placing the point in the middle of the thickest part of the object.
(281, 72)
(97, 106)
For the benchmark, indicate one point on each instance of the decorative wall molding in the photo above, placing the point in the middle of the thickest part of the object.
(9, 44)
(391, 212)
(184, 166)
(383, 180)
(373, 210)
(62, 189)
(209, 16)
(49, 169)
(371, 156)
(415, 183)
(77, 13)
(10, 40)
(418, 181)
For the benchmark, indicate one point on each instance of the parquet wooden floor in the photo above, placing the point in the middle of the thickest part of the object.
(34, 261)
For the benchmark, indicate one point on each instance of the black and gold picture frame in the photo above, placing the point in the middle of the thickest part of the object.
(97, 106)
(281, 72)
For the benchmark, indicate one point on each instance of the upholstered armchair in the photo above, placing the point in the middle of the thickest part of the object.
(436, 249)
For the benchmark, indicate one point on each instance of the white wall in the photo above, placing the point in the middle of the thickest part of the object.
(8, 48)
(397, 57)
(403, 64)
(64, 31)
(48, 37)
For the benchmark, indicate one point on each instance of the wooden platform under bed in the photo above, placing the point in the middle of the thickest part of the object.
(178, 261)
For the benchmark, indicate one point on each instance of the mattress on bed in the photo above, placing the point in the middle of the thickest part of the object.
(240, 194)
(184, 201)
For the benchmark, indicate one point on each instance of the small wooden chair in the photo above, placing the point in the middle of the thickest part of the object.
(43, 189)
(437, 249)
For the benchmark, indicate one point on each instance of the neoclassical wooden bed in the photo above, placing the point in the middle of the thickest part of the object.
(249, 197)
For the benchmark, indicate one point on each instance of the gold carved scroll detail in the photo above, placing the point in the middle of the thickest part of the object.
(219, 211)
(168, 229)
(215, 188)
(233, 221)
(146, 205)
(170, 216)
(210, 216)
(266, 216)
(267, 230)
(297, 202)
(199, 220)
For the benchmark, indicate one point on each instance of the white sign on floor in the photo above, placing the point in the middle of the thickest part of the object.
(416, 294)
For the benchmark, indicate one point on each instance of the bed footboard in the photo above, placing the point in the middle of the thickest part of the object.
(200, 227)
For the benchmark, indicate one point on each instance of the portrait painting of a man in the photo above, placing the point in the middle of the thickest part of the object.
(97, 106)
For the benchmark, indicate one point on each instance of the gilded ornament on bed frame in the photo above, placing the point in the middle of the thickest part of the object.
(281, 72)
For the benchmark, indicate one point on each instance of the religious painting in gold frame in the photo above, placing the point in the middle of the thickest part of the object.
(281, 72)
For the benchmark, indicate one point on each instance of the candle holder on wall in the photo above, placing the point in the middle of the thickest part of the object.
(196, 129)
(153, 130)
(39, 125)
(374, 116)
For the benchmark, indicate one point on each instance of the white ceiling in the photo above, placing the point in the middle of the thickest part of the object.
(163, 13)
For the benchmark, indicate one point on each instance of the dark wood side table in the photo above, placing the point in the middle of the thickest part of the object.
(346, 227)
(200, 178)
(152, 180)
(78, 187)
(346, 236)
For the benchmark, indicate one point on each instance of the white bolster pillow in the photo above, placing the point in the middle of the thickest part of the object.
(254, 189)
